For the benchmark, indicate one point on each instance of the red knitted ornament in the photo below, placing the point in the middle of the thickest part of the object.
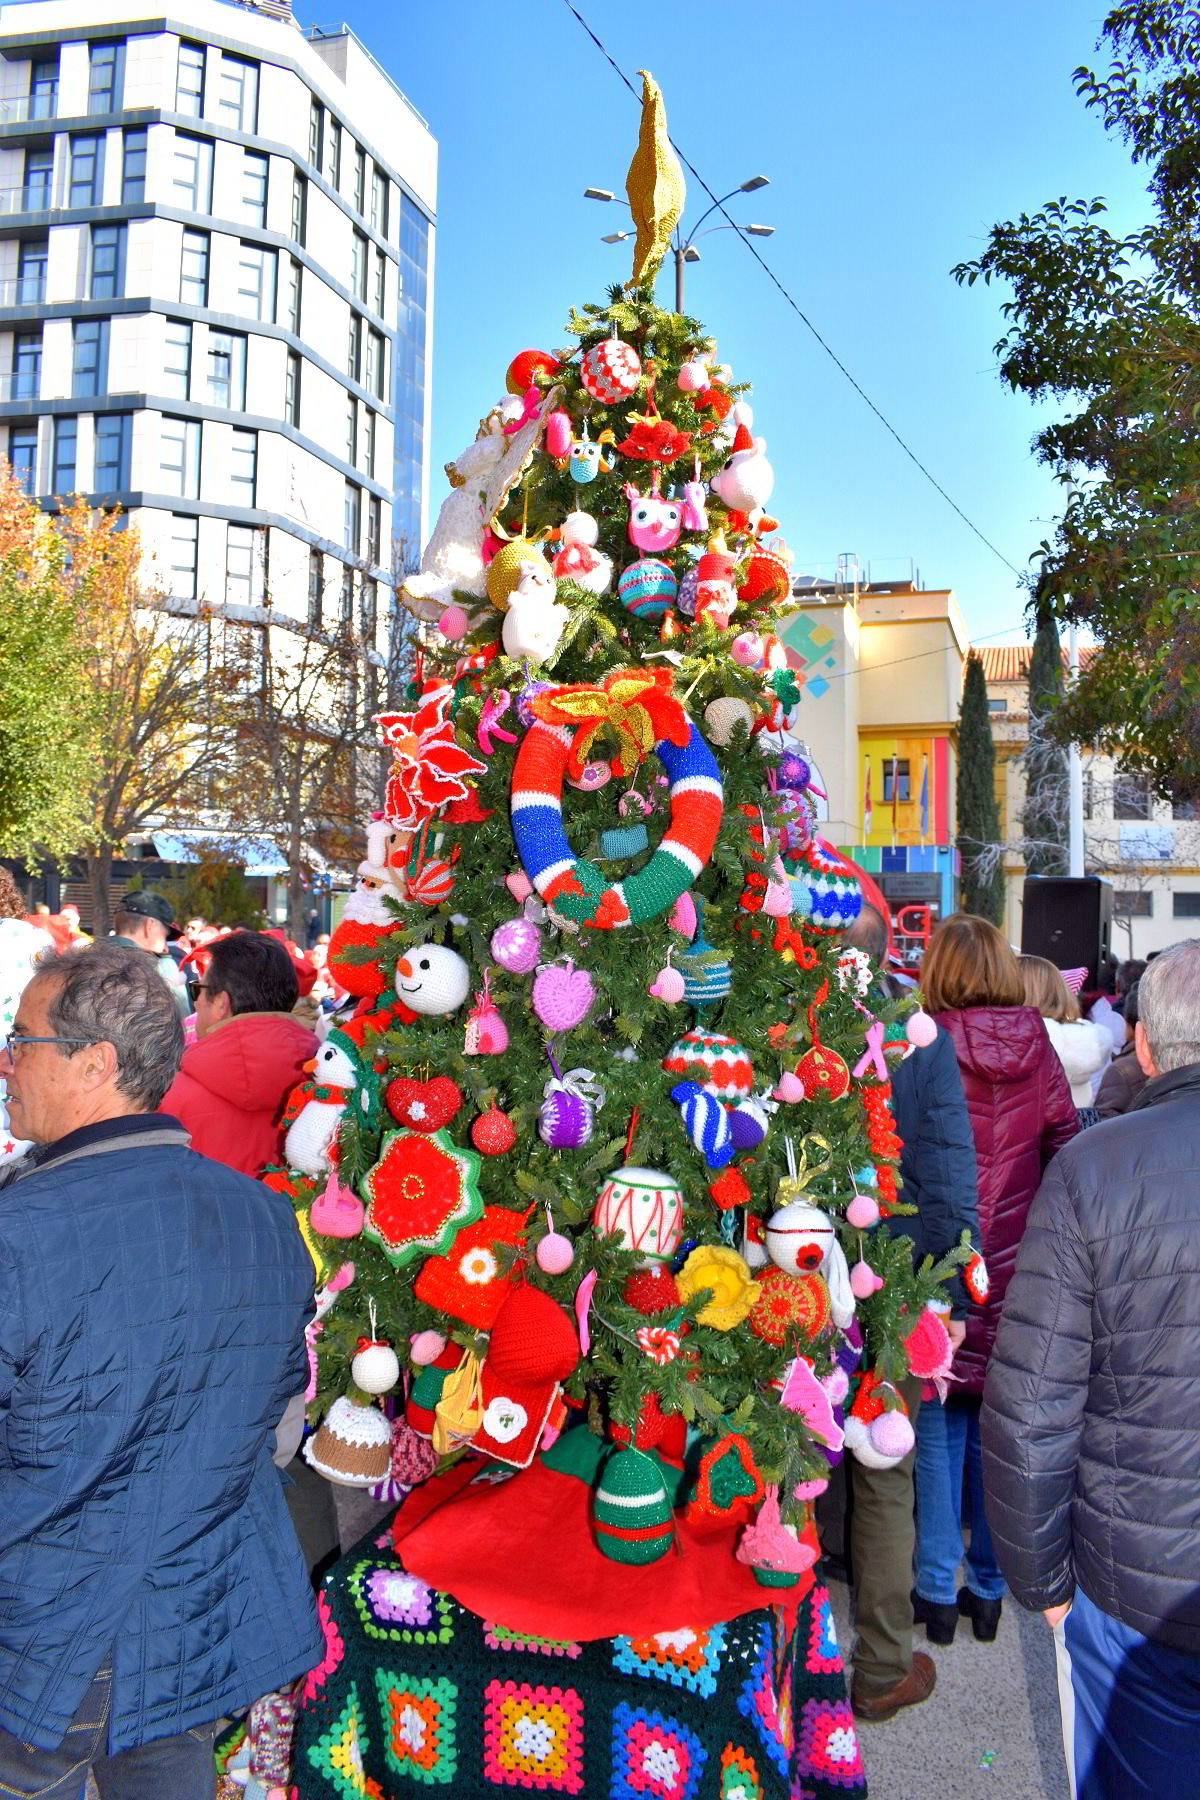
(413, 1458)
(730, 1189)
(655, 1430)
(469, 1282)
(493, 1133)
(976, 1277)
(873, 1398)
(423, 1105)
(651, 1291)
(788, 1305)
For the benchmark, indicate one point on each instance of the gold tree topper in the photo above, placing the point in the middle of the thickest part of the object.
(654, 184)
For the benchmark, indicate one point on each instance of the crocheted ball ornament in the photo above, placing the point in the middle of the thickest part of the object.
(420, 1194)
(631, 1514)
(834, 891)
(652, 1291)
(352, 1446)
(714, 1061)
(790, 1304)
(642, 1207)
(610, 371)
(375, 1368)
(648, 588)
(468, 1282)
(493, 1132)
(516, 946)
(574, 886)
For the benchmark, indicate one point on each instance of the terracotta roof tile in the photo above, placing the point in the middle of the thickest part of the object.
(1010, 662)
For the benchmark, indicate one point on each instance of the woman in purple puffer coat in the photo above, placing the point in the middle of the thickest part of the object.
(1021, 1112)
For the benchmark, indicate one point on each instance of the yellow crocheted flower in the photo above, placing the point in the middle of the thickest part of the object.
(727, 1277)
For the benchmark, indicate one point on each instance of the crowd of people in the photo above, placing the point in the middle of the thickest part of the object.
(147, 1595)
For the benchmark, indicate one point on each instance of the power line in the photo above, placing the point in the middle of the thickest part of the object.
(799, 311)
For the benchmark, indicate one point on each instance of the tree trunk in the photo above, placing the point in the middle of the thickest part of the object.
(297, 925)
(99, 867)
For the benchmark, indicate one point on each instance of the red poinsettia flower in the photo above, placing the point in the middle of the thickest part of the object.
(428, 764)
(652, 439)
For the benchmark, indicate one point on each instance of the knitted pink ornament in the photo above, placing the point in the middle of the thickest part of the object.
(892, 1435)
(454, 624)
(920, 1030)
(667, 986)
(413, 1458)
(928, 1347)
(864, 1281)
(487, 1034)
(862, 1212)
(562, 995)
(810, 1490)
(518, 885)
(555, 1253)
(425, 1348)
(516, 946)
(683, 916)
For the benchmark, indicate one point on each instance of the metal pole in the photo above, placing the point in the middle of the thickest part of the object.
(1074, 772)
(679, 250)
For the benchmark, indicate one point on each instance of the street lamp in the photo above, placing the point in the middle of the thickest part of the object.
(684, 249)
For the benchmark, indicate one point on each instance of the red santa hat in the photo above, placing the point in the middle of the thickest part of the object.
(742, 440)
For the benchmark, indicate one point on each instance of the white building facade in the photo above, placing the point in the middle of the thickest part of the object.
(216, 299)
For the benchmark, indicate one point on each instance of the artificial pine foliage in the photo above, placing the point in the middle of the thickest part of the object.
(790, 1003)
(978, 815)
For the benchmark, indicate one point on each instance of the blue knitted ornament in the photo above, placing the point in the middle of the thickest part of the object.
(706, 1123)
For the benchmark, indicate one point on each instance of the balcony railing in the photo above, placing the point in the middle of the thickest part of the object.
(18, 109)
(21, 384)
(29, 198)
(23, 290)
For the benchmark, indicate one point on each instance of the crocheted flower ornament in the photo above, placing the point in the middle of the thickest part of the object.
(428, 765)
(637, 704)
(732, 1293)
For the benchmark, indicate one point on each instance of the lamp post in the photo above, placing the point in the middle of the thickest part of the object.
(684, 248)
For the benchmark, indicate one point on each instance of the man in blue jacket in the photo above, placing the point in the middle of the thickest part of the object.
(152, 1314)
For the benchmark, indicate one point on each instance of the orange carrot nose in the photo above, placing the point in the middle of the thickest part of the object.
(404, 967)
(310, 1067)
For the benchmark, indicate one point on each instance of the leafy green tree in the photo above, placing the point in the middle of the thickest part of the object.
(1111, 325)
(978, 815)
(1044, 818)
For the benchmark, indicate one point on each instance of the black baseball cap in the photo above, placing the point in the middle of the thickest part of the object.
(146, 904)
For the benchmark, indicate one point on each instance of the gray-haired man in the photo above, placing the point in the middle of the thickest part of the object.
(1091, 1416)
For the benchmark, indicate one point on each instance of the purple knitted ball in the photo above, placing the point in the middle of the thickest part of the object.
(794, 770)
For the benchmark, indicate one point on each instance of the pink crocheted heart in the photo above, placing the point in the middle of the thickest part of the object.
(562, 996)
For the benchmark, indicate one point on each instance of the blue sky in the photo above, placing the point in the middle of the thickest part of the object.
(894, 136)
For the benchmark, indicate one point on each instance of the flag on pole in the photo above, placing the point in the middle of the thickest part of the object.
(867, 802)
(924, 798)
(895, 798)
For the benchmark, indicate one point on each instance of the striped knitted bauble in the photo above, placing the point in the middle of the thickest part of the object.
(631, 1514)
(833, 887)
(647, 588)
(718, 1063)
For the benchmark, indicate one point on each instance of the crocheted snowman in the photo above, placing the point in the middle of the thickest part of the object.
(314, 1110)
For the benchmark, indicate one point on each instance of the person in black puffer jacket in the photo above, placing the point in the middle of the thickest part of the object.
(1091, 1416)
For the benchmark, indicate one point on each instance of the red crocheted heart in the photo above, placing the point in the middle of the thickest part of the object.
(423, 1105)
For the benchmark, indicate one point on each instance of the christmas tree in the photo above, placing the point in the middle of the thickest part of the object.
(609, 1131)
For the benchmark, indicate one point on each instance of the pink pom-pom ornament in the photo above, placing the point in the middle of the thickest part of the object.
(454, 624)
(862, 1212)
(425, 1348)
(892, 1435)
(864, 1281)
(920, 1030)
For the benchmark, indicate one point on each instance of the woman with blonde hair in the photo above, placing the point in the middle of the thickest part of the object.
(1082, 1048)
(1021, 1112)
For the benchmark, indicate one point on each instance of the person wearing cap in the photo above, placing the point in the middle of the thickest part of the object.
(141, 920)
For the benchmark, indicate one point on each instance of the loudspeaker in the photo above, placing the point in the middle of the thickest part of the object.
(1068, 920)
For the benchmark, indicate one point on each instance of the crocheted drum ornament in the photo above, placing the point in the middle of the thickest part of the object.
(420, 1194)
(833, 888)
(647, 588)
(645, 715)
(717, 1063)
(631, 1514)
(644, 1209)
(707, 975)
(610, 371)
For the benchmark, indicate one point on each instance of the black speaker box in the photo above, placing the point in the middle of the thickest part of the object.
(1068, 920)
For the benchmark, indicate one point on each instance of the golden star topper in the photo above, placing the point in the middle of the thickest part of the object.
(654, 184)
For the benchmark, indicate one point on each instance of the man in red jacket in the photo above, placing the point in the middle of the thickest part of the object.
(249, 1053)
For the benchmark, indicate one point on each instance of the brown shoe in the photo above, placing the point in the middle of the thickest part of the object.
(916, 1686)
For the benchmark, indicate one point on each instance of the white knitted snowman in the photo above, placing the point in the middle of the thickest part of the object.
(315, 1110)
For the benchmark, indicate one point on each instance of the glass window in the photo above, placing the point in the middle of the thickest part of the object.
(191, 172)
(368, 606)
(256, 282)
(237, 93)
(239, 566)
(27, 366)
(314, 589)
(291, 398)
(114, 435)
(43, 90)
(1186, 905)
(380, 283)
(1129, 903)
(299, 205)
(243, 467)
(133, 165)
(106, 77)
(352, 518)
(379, 202)
(184, 537)
(39, 180)
(1131, 797)
(193, 268)
(376, 375)
(369, 442)
(360, 178)
(898, 767)
(255, 170)
(189, 82)
(351, 428)
(108, 262)
(997, 706)
(177, 359)
(316, 133)
(293, 277)
(179, 457)
(86, 187)
(22, 454)
(66, 438)
(89, 366)
(354, 348)
(227, 369)
(31, 272)
(335, 154)
(374, 528)
(358, 267)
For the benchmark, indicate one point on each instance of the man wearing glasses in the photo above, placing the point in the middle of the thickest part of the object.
(152, 1314)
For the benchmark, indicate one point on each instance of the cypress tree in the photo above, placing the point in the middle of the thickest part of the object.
(1044, 819)
(978, 817)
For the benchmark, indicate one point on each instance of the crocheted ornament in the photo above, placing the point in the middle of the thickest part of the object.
(493, 1132)
(429, 766)
(834, 891)
(790, 1305)
(314, 1109)
(928, 1348)
(508, 567)
(460, 1406)
(352, 1446)
(768, 579)
(610, 371)
(716, 1062)
(413, 1457)
(975, 1276)
(631, 1514)
(576, 888)
(862, 1212)
(647, 588)
(533, 1349)
(433, 980)
(728, 1483)
(651, 1291)
(425, 1347)
(623, 842)
(337, 1212)
(486, 1034)
(801, 1392)
(749, 1123)
(723, 716)
(874, 1441)
(706, 1123)
(526, 366)
(555, 1252)
(583, 564)
(660, 1343)
(920, 1029)
(423, 1105)
(729, 1190)
(799, 1237)
(644, 1209)
(516, 946)
(568, 1111)
(772, 1549)
(473, 1279)
(432, 883)
(426, 1389)
(707, 975)
(420, 1194)
(562, 995)
(726, 1278)
(654, 523)
(863, 1280)
(667, 986)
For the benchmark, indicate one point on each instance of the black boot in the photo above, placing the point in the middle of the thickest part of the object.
(940, 1622)
(983, 1614)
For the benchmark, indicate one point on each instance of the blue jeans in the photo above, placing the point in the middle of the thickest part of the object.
(176, 1768)
(948, 1445)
